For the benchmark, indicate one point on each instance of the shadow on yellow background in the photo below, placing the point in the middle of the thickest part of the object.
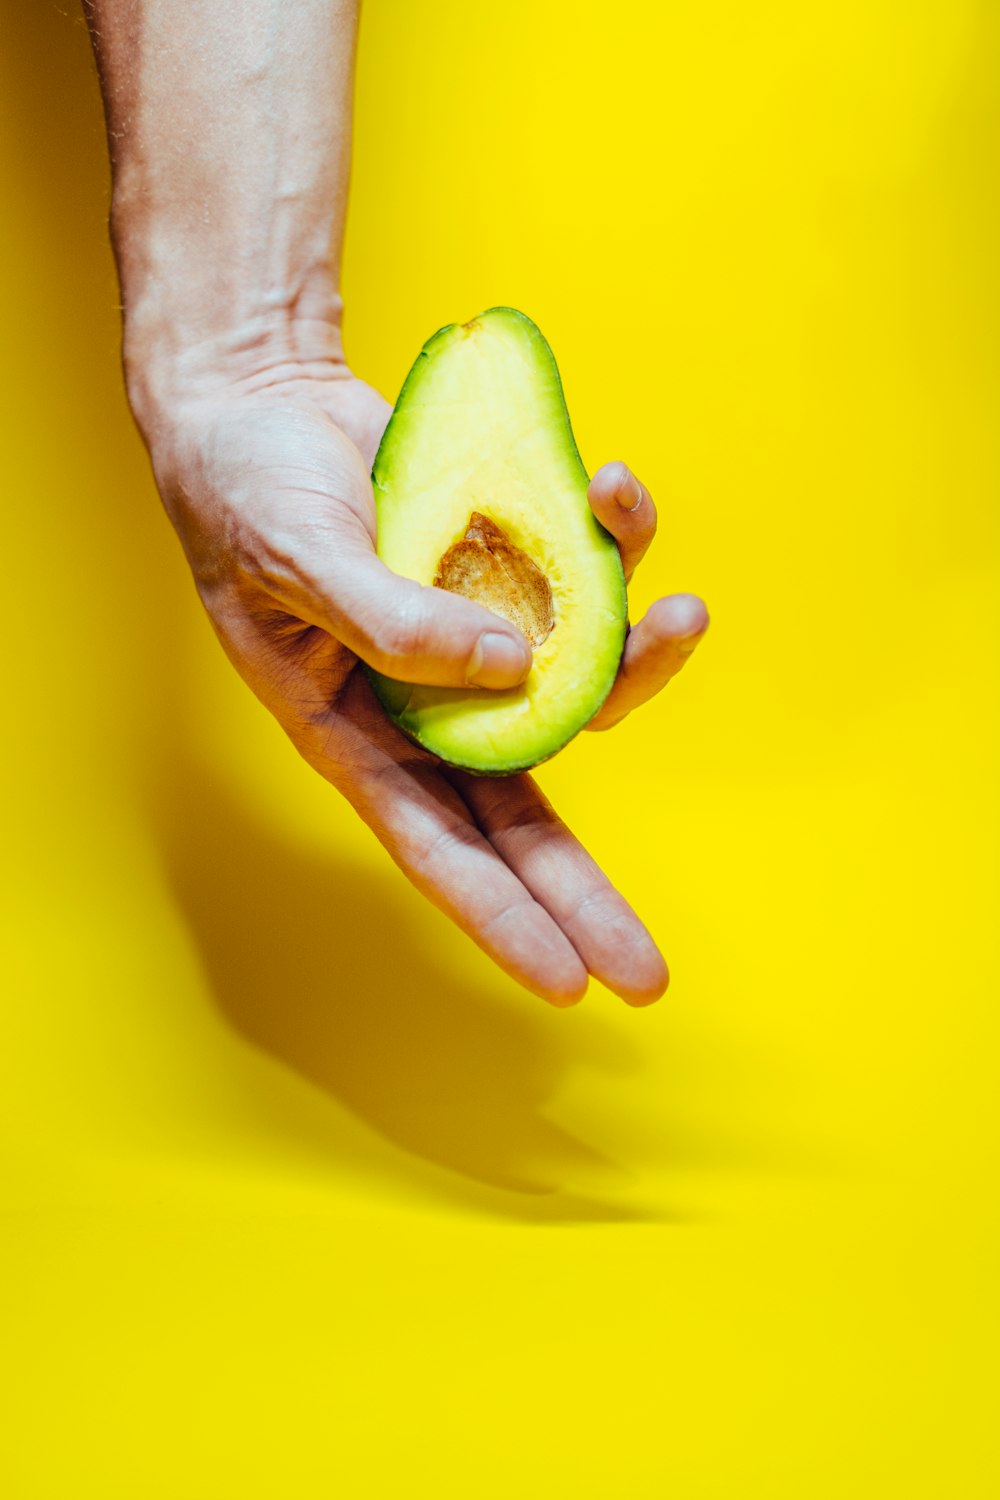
(319, 965)
(312, 960)
(324, 963)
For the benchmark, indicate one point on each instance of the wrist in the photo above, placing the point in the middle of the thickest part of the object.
(177, 353)
(229, 123)
(217, 296)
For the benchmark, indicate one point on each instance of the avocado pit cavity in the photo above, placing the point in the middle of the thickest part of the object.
(485, 566)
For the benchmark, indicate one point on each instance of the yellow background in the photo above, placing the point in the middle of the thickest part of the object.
(300, 1196)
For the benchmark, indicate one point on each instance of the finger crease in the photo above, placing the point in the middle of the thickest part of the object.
(448, 837)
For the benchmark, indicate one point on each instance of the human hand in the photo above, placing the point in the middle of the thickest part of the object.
(267, 482)
(227, 214)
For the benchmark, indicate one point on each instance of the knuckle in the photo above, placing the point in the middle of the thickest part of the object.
(450, 843)
(517, 910)
(599, 908)
(401, 631)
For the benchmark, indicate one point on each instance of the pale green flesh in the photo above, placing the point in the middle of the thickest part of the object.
(481, 425)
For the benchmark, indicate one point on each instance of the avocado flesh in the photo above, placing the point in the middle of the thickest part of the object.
(478, 470)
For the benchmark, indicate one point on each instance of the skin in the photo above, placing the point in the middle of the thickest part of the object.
(229, 129)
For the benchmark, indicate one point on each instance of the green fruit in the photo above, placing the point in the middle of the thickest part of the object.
(480, 489)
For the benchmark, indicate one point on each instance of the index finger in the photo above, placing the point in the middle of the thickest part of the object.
(624, 506)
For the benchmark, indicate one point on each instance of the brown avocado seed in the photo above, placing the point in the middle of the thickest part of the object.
(486, 567)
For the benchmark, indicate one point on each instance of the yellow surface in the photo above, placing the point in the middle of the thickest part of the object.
(302, 1198)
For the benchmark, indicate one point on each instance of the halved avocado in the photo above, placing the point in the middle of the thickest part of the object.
(480, 489)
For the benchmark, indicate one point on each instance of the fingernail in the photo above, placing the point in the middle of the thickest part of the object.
(498, 662)
(630, 495)
(688, 643)
(697, 621)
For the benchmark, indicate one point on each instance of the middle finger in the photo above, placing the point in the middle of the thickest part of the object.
(568, 883)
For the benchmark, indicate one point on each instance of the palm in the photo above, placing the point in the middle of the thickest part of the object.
(285, 472)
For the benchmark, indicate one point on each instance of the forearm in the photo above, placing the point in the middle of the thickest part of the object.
(229, 129)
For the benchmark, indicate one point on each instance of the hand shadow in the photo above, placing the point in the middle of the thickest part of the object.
(325, 968)
(322, 967)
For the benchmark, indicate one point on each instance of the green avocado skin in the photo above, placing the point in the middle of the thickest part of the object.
(481, 423)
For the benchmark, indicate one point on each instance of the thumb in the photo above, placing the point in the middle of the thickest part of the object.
(406, 630)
